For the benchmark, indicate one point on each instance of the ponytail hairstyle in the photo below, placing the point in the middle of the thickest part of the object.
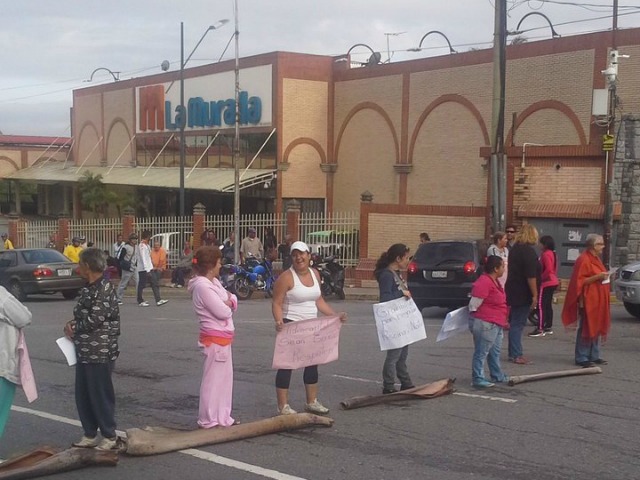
(387, 258)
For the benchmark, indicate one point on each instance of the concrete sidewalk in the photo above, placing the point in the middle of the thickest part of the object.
(351, 293)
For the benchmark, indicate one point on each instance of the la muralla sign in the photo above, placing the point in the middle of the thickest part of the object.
(213, 105)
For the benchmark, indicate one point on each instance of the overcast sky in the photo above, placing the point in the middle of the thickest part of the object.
(49, 47)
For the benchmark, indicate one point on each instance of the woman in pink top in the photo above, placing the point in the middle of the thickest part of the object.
(488, 318)
(548, 284)
(214, 307)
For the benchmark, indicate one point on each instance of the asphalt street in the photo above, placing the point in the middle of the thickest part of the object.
(577, 427)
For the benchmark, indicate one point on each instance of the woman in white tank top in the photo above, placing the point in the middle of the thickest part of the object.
(296, 296)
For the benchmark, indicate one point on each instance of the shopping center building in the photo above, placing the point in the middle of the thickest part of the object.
(413, 136)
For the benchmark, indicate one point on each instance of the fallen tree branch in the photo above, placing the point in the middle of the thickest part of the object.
(150, 441)
(42, 462)
(430, 390)
(544, 376)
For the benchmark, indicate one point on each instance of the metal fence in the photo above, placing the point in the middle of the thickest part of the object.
(35, 234)
(223, 224)
(102, 232)
(336, 234)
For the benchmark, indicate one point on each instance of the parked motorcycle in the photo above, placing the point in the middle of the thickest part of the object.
(253, 275)
(228, 276)
(331, 275)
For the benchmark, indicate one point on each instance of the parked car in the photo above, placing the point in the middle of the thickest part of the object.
(441, 273)
(39, 270)
(627, 287)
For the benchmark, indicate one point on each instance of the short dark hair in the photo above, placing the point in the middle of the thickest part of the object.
(206, 258)
(146, 234)
(493, 262)
(425, 236)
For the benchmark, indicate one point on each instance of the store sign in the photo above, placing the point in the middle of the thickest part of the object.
(201, 113)
(212, 106)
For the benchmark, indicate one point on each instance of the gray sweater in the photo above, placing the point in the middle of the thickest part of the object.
(13, 316)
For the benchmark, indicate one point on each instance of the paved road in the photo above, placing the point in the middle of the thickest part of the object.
(557, 429)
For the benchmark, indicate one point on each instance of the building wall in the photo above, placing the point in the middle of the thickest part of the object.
(575, 185)
(447, 169)
(88, 129)
(119, 125)
(387, 229)
(304, 136)
(367, 122)
(565, 78)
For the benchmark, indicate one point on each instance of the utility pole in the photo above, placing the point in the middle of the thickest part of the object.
(610, 159)
(498, 161)
(236, 146)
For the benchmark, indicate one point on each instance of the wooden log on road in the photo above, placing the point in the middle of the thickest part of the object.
(544, 376)
(65, 461)
(150, 441)
(430, 390)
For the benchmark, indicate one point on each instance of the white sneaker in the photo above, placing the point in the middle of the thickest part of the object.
(108, 444)
(316, 407)
(179, 286)
(161, 302)
(143, 304)
(287, 410)
(120, 302)
(86, 442)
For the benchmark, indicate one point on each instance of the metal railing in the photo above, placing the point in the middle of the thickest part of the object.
(336, 234)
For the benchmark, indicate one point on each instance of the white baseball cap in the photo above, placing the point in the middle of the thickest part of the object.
(301, 246)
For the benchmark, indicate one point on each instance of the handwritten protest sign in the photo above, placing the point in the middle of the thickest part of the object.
(307, 342)
(399, 323)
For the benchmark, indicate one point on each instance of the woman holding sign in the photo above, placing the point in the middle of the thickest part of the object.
(489, 312)
(393, 286)
(296, 296)
(214, 307)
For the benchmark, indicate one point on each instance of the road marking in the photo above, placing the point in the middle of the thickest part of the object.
(247, 467)
(485, 397)
(461, 394)
(356, 379)
(210, 457)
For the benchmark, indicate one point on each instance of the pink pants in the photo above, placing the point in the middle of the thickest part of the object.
(216, 389)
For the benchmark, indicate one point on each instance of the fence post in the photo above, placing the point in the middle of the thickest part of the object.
(14, 220)
(63, 231)
(128, 223)
(293, 219)
(366, 265)
(199, 212)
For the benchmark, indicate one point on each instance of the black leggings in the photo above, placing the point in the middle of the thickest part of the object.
(283, 377)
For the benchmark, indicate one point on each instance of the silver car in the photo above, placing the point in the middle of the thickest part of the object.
(627, 287)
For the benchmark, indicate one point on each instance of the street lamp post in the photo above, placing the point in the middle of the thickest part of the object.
(115, 75)
(437, 32)
(182, 111)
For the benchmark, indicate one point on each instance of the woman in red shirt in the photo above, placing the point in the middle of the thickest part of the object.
(488, 318)
(548, 284)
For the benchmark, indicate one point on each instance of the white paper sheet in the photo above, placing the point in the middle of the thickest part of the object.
(399, 323)
(69, 350)
(455, 322)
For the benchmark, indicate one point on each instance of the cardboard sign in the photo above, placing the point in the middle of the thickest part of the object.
(307, 342)
(399, 323)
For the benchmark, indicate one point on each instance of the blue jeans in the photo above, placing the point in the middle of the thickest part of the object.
(517, 320)
(586, 349)
(487, 339)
